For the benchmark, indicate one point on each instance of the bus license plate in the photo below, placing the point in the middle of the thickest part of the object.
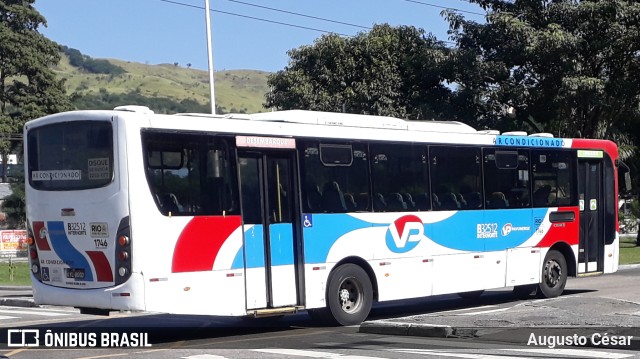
(74, 273)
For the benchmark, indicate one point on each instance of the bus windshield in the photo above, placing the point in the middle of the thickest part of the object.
(70, 156)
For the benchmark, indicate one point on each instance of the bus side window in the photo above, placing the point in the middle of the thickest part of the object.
(190, 174)
(455, 176)
(553, 171)
(335, 175)
(506, 178)
(396, 172)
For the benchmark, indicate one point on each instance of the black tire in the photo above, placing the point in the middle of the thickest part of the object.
(471, 295)
(554, 275)
(349, 295)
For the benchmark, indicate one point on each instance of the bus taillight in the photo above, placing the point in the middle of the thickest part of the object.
(123, 256)
(33, 255)
(123, 240)
(123, 252)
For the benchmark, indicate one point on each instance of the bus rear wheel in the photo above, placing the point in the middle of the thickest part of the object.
(554, 275)
(349, 294)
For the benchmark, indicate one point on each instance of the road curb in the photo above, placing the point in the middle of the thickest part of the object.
(628, 266)
(15, 287)
(18, 302)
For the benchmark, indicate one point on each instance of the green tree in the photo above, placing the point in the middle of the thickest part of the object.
(391, 71)
(569, 67)
(28, 87)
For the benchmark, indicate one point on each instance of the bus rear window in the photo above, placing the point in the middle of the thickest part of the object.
(70, 156)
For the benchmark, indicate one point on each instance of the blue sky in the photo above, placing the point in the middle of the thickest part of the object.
(163, 31)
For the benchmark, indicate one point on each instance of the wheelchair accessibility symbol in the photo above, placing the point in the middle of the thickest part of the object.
(308, 221)
(45, 274)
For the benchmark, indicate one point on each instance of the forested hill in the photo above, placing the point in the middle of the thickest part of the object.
(165, 88)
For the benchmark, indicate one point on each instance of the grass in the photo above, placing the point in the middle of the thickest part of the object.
(629, 254)
(21, 274)
(243, 90)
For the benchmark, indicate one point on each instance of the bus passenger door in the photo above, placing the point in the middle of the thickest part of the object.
(590, 194)
(270, 212)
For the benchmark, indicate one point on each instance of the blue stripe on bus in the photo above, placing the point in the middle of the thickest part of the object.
(66, 251)
(281, 237)
(473, 231)
(281, 244)
(491, 230)
(326, 230)
(253, 247)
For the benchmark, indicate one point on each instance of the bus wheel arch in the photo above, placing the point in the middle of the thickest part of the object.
(569, 257)
(554, 274)
(366, 267)
(350, 292)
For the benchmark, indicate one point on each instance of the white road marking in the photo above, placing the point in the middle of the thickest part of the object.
(556, 353)
(582, 353)
(312, 354)
(486, 311)
(33, 312)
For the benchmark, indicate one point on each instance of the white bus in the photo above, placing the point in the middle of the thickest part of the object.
(272, 213)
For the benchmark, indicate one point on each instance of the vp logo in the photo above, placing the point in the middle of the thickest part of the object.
(404, 234)
(506, 229)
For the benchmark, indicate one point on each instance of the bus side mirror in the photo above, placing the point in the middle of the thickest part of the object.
(627, 182)
(624, 183)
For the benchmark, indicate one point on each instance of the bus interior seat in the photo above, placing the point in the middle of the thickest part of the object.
(168, 203)
(541, 196)
(408, 199)
(314, 198)
(350, 202)
(396, 203)
(497, 201)
(332, 198)
(461, 200)
(474, 200)
(435, 200)
(379, 203)
(449, 201)
(362, 201)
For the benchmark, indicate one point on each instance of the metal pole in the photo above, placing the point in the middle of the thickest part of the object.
(210, 54)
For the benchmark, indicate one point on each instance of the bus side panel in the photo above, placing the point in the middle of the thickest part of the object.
(418, 254)
(211, 284)
(612, 255)
(104, 298)
(403, 278)
(523, 266)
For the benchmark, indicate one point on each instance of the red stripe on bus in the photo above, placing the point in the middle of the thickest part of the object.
(562, 232)
(41, 242)
(102, 266)
(200, 242)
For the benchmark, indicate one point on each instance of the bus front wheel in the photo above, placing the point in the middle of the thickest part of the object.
(349, 294)
(554, 275)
